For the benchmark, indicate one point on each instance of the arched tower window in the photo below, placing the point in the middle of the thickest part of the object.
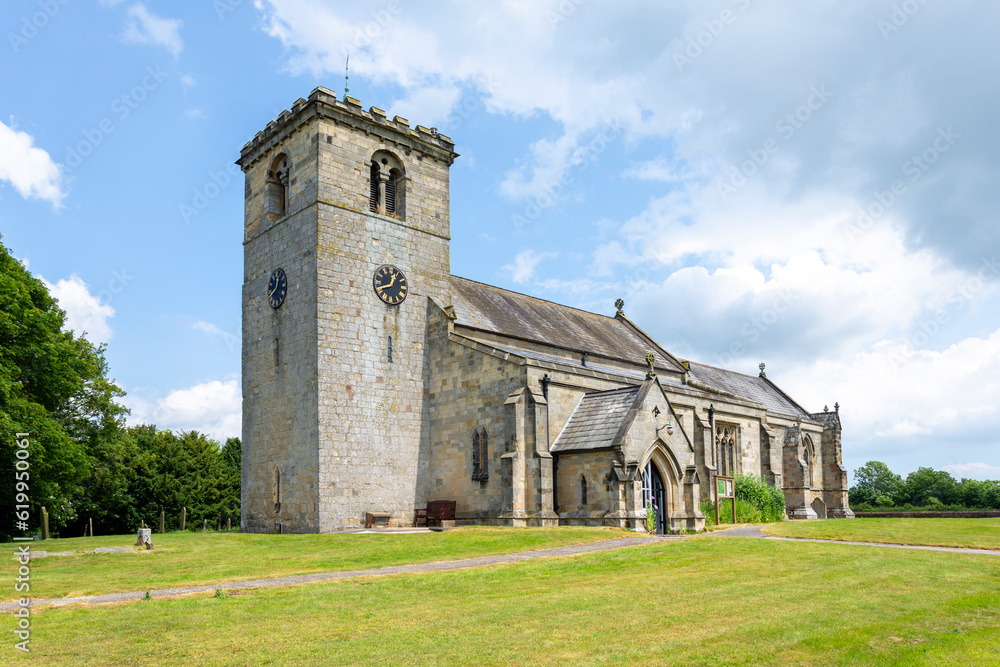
(583, 490)
(386, 185)
(277, 188)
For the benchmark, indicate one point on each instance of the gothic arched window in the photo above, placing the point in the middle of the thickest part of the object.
(809, 454)
(725, 443)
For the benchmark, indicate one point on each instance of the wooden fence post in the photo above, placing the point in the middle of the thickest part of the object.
(204, 525)
(228, 524)
(45, 524)
(91, 526)
(162, 517)
(184, 512)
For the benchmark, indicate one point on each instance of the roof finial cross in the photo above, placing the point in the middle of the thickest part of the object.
(650, 360)
(619, 304)
(761, 367)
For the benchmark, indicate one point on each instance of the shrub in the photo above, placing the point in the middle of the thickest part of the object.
(756, 502)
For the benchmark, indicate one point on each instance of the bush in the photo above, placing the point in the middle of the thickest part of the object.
(756, 502)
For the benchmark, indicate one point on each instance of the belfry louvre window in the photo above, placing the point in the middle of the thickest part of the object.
(373, 191)
(390, 193)
(387, 185)
(480, 455)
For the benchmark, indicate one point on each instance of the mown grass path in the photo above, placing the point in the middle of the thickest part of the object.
(962, 533)
(193, 559)
(589, 547)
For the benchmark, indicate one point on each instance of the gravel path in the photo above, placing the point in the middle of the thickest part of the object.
(590, 547)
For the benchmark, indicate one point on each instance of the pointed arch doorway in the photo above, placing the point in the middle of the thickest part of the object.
(654, 492)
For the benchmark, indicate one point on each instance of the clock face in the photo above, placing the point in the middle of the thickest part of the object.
(390, 284)
(277, 286)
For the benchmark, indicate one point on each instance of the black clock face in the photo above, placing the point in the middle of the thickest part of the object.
(276, 288)
(390, 284)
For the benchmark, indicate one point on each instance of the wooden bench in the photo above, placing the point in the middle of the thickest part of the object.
(436, 509)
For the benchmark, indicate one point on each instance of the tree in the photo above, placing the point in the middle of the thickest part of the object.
(54, 388)
(926, 483)
(875, 484)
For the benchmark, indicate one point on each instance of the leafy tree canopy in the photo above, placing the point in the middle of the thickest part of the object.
(54, 388)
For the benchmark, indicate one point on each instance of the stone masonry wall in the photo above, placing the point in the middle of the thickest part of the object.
(466, 390)
(349, 412)
(279, 352)
(594, 466)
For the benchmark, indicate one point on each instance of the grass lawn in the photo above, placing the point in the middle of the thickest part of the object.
(712, 601)
(973, 533)
(201, 558)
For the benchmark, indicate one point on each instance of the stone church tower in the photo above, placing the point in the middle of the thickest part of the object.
(345, 244)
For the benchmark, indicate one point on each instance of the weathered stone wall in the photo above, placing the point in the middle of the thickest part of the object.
(350, 412)
(466, 390)
(279, 351)
(594, 467)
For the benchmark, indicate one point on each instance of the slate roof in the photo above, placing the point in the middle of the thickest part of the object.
(500, 311)
(748, 386)
(596, 420)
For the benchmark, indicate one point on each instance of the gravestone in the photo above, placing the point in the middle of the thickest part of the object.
(144, 538)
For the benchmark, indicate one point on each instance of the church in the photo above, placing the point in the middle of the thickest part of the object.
(375, 381)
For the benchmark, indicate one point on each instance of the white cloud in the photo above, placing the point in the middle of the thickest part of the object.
(522, 269)
(894, 393)
(232, 341)
(777, 266)
(28, 168)
(983, 471)
(213, 408)
(85, 314)
(195, 113)
(188, 81)
(144, 27)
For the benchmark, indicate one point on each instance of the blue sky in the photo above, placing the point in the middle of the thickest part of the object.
(810, 186)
